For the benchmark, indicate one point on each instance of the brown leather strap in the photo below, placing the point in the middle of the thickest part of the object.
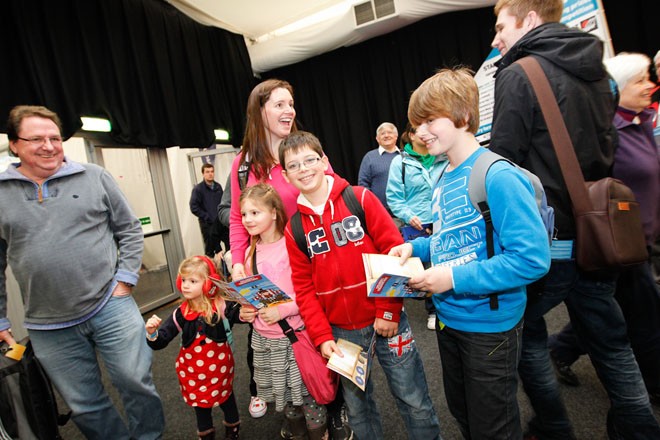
(570, 168)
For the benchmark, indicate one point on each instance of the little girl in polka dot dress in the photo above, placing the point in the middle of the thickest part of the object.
(205, 364)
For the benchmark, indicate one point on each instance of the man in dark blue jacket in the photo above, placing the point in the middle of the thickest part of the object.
(204, 202)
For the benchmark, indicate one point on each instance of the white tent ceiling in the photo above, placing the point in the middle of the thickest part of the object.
(259, 21)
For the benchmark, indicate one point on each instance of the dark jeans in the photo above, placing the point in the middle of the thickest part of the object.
(639, 299)
(599, 323)
(479, 375)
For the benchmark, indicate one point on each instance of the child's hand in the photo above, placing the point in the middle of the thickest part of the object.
(247, 314)
(270, 315)
(437, 279)
(238, 272)
(385, 328)
(403, 250)
(152, 324)
(329, 347)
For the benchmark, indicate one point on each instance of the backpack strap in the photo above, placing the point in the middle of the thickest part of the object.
(243, 172)
(477, 193)
(299, 233)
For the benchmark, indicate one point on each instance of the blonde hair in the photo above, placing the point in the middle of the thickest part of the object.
(548, 10)
(450, 93)
(198, 266)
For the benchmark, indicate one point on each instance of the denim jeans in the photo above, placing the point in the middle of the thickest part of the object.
(481, 381)
(639, 299)
(599, 323)
(400, 360)
(69, 356)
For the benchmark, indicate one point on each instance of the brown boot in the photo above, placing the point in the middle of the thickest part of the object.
(232, 430)
(209, 434)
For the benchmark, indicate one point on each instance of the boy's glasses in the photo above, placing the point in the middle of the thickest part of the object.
(38, 141)
(310, 162)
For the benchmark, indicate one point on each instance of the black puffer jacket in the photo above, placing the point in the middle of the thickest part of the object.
(572, 60)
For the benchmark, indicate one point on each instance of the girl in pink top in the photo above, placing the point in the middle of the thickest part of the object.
(275, 369)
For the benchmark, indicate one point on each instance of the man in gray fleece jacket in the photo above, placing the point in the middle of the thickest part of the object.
(75, 247)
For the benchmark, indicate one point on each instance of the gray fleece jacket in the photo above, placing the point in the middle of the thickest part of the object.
(68, 242)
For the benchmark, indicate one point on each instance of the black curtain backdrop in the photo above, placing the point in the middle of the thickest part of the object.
(164, 79)
(342, 96)
(161, 78)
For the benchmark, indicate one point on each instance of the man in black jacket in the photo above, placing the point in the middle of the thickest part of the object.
(572, 60)
(204, 202)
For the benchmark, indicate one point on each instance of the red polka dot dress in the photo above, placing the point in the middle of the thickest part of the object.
(205, 368)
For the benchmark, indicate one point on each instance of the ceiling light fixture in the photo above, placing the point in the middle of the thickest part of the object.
(96, 124)
(221, 134)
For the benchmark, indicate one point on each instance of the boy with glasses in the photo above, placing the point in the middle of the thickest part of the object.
(331, 292)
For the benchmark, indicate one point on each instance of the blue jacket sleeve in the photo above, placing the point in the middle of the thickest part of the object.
(364, 175)
(395, 192)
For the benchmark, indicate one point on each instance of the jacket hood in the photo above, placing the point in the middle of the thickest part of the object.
(575, 51)
(336, 185)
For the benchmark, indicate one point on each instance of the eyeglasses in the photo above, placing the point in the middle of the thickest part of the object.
(38, 141)
(310, 162)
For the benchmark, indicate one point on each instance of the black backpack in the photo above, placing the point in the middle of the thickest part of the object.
(353, 205)
(28, 408)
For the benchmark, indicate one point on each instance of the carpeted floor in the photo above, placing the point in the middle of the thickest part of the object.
(587, 404)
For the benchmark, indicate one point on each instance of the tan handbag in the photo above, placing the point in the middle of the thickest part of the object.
(609, 232)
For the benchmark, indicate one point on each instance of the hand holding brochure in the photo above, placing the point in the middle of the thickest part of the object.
(387, 278)
(356, 363)
(256, 291)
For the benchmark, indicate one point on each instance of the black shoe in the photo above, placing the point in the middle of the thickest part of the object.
(338, 426)
(564, 372)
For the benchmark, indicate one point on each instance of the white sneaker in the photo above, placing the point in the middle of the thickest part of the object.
(430, 322)
(257, 407)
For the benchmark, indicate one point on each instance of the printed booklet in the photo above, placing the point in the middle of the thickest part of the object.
(356, 363)
(387, 278)
(256, 291)
(409, 233)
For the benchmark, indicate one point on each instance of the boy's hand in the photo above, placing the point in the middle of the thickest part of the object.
(152, 324)
(403, 250)
(437, 279)
(238, 272)
(329, 347)
(270, 315)
(385, 328)
(247, 314)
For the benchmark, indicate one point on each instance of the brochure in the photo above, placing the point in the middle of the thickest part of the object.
(387, 278)
(356, 363)
(409, 233)
(256, 291)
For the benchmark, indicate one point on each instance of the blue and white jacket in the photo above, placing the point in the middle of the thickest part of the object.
(522, 252)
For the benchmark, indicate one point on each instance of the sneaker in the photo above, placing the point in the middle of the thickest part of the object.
(338, 426)
(430, 322)
(564, 372)
(257, 407)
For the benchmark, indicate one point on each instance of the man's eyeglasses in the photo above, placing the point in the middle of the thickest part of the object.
(38, 141)
(310, 162)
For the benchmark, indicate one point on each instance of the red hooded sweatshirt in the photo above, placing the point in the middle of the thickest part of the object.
(331, 286)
